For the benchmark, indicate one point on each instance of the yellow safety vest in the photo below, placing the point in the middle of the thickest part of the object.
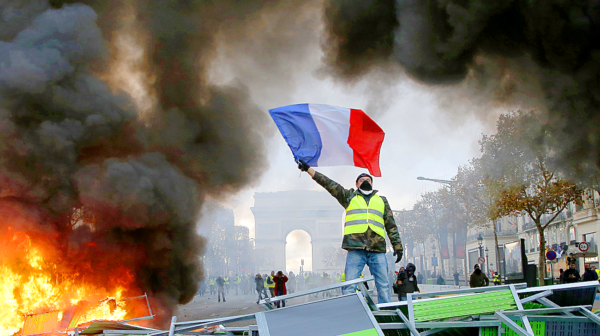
(271, 285)
(343, 277)
(226, 281)
(237, 280)
(360, 216)
(212, 281)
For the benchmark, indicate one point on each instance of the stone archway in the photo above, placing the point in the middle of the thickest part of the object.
(277, 214)
(298, 245)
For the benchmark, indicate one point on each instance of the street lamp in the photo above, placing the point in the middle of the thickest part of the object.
(433, 263)
(480, 240)
(487, 260)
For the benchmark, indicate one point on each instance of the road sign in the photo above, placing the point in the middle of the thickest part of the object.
(584, 247)
(550, 255)
(434, 261)
(481, 260)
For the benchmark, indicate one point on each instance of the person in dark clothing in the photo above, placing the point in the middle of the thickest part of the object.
(478, 278)
(280, 288)
(571, 259)
(221, 288)
(589, 274)
(420, 278)
(455, 275)
(571, 275)
(406, 283)
(260, 288)
(440, 280)
(561, 276)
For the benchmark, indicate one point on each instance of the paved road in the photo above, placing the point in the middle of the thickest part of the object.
(206, 307)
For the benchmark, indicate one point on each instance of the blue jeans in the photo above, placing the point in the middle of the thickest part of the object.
(355, 263)
(260, 292)
(279, 293)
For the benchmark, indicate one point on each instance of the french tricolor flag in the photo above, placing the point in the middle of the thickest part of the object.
(324, 135)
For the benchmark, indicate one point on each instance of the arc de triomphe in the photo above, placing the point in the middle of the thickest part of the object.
(279, 213)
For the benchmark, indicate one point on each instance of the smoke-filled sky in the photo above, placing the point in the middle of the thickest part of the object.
(434, 74)
(430, 130)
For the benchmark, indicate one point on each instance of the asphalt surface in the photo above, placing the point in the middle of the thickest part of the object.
(208, 307)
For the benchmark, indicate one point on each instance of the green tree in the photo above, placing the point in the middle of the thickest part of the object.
(517, 162)
(479, 195)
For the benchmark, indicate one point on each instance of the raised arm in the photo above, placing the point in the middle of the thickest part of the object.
(335, 189)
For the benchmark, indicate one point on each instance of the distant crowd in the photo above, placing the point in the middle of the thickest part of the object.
(277, 284)
(405, 281)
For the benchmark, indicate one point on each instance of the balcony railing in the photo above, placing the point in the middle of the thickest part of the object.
(490, 233)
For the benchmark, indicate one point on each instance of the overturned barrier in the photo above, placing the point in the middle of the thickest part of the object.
(489, 311)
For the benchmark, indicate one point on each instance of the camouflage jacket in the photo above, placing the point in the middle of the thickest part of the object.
(368, 240)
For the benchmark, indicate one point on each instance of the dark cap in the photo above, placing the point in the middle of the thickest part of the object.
(363, 175)
(476, 266)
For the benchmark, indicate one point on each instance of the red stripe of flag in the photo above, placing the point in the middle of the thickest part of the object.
(365, 139)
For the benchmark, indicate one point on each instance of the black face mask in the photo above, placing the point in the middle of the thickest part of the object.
(478, 271)
(366, 186)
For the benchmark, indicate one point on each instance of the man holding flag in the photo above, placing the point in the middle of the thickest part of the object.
(368, 217)
(324, 135)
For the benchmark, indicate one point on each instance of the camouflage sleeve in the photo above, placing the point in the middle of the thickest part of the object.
(390, 226)
(335, 189)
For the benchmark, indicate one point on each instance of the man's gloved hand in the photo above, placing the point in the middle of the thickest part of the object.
(398, 254)
(302, 165)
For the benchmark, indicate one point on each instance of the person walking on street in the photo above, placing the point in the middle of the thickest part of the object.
(589, 274)
(561, 276)
(478, 278)
(211, 284)
(368, 218)
(236, 282)
(440, 280)
(571, 275)
(271, 283)
(406, 282)
(260, 288)
(419, 278)
(226, 279)
(456, 275)
(571, 259)
(496, 279)
(291, 285)
(280, 288)
(221, 288)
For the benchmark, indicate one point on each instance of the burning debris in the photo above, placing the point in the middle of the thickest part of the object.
(85, 314)
(99, 196)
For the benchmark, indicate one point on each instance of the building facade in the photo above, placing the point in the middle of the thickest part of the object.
(573, 225)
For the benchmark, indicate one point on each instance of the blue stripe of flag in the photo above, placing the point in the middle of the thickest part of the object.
(299, 131)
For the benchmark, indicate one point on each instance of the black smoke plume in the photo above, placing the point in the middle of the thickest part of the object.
(108, 184)
(553, 44)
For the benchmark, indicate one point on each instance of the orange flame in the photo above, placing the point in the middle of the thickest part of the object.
(30, 283)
